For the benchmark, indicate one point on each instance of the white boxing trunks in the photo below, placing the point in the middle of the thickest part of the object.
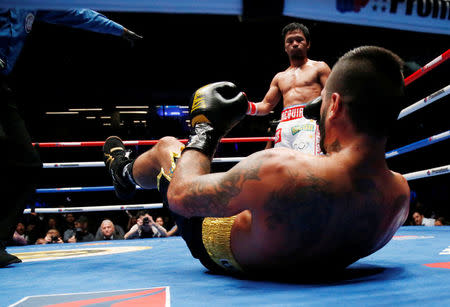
(296, 132)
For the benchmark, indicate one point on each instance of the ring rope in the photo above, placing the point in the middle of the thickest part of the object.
(441, 170)
(102, 164)
(95, 208)
(419, 144)
(148, 142)
(78, 189)
(410, 176)
(428, 67)
(425, 101)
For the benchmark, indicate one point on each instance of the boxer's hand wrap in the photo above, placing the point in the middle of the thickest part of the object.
(251, 109)
(312, 109)
(214, 110)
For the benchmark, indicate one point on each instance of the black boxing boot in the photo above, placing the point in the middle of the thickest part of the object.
(119, 167)
(6, 258)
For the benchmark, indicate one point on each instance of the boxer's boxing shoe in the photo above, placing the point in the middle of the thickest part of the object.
(115, 159)
(6, 258)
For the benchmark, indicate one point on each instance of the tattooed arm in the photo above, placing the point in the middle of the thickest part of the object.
(195, 192)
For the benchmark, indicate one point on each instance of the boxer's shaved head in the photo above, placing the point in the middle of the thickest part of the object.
(370, 81)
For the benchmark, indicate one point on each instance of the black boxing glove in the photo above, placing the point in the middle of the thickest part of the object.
(214, 110)
(312, 109)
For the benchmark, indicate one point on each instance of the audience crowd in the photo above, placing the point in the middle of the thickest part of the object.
(69, 228)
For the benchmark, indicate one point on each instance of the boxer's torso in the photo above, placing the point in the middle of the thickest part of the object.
(321, 211)
(299, 85)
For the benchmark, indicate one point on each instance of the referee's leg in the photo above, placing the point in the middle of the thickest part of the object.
(19, 170)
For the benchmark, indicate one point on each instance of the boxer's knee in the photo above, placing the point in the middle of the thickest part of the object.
(169, 143)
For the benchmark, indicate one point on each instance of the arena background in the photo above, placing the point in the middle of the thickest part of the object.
(62, 68)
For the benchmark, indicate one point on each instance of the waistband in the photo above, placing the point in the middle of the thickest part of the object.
(216, 234)
(292, 112)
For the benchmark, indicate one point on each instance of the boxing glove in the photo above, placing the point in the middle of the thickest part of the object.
(312, 109)
(214, 110)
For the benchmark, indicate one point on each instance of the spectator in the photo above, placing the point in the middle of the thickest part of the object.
(52, 223)
(80, 233)
(145, 227)
(109, 231)
(53, 236)
(159, 220)
(420, 220)
(69, 220)
(40, 241)
(440, 221)
(173, 231)
(132, 219)
(19, 237)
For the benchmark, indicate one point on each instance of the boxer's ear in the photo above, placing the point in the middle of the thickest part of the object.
(336, 105)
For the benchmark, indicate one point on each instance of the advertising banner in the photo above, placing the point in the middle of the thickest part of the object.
(431, 16)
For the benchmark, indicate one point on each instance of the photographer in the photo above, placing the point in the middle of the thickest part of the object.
(145, 227)
(80, 233)
(53, 236)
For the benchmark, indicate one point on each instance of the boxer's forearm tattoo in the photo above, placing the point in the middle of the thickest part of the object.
(212, 194)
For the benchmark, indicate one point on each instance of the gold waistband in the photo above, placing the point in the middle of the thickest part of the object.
(216, 236)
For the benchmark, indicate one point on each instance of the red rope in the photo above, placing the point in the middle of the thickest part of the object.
(147, 142)
(436, 62)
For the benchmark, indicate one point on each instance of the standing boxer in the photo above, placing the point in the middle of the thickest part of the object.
(20, 164)
(280, 211)
(300, 83)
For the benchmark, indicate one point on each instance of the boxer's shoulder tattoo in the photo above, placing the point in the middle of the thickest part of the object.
(305, 210)
(213, 194)
(291, 203)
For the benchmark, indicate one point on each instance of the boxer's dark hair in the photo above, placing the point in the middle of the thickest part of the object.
(296, 26)
(370, 81)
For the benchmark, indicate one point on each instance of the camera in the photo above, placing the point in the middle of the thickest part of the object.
(54, 239)
(145, 221)
(78, 234)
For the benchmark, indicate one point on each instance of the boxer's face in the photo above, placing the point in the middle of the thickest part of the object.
(295, 44)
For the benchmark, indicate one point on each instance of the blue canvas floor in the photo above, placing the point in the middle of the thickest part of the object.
(395, 275)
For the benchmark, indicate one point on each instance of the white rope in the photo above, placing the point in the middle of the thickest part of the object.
(425, 101)
(410, 176)
(95, 208)
(428, 172)
(101, 164)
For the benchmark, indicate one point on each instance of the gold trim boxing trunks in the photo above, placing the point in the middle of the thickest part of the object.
(216, 237)
(215, 232)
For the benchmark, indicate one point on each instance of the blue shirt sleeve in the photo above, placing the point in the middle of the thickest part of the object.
(82, 19)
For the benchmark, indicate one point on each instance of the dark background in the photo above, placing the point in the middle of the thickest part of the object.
(62, 68)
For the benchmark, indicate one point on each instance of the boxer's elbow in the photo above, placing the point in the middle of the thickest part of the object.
(176, 198)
